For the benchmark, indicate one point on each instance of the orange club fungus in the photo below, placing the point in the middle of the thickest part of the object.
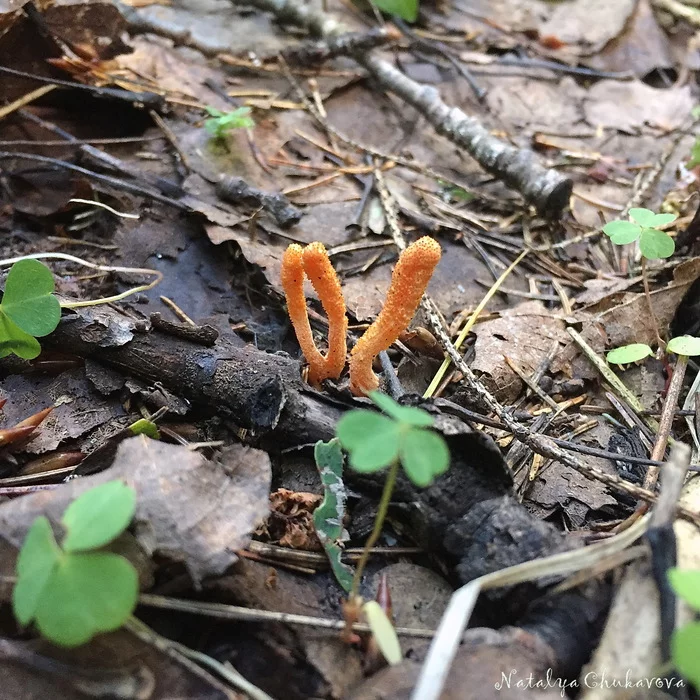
(408, 283)
(313, 262)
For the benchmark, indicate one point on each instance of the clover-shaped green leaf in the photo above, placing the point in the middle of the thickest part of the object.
(28, 309)
(28, 299)
(35, 565)
(686, 585)
(404, 414)
(629, 353)
(424, 455)
(644, 226)
(14, 340)
(371, 439)
(374, 441)
(72, 594)
(684, 345)
(97, 516)
(685, 652)
(87, 593)
(622, 232)
(655, 244)
(406, 9)
(648, 219)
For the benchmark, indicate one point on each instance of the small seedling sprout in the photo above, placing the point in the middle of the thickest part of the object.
(401, 438)
(644, 227)
(220, 123)
(627, 354)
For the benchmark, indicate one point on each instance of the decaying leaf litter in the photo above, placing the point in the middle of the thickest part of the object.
(494, 128)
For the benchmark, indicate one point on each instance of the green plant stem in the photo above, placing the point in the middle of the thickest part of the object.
(102, 268)
(647, 294)
(378, 524)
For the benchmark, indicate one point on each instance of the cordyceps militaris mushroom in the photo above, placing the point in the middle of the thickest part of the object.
(408, 283)
(313, 261)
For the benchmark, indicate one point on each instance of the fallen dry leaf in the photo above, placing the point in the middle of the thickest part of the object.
(188, 508)
(632, 106)
(571, 23)
(523, 333)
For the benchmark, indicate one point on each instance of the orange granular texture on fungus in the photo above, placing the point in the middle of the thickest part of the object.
(408, 283)
(318, 269)
(313, 262)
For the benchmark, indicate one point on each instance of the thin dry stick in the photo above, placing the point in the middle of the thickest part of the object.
(536, 442)
(470, 323)
(665, 423)
(546, 188)
(234, 612)
(25, 100)
(184, 655)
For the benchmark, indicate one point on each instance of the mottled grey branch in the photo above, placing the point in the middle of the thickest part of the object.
(317, 51)
(518, 168)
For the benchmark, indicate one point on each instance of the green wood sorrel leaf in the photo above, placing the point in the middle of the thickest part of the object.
(686, 584)
(15, 340)
(406, 9)
(384, 632)
(684, 345)
(403, 414)
(644, 217)
(685, 652)
(28, 300)
(86, 594)
(98, 516)
(629, 353)
(371, 439)
(328, 517)
(622, 232)
(35, 566)
(648, 219)
(424, 455)
(655, 244)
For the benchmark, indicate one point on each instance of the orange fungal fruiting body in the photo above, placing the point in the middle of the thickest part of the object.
(408, 283)
(318, 269)
(313, 262)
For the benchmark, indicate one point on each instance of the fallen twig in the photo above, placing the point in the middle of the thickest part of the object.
(236, 191)
(310, 52)
(547, 189)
